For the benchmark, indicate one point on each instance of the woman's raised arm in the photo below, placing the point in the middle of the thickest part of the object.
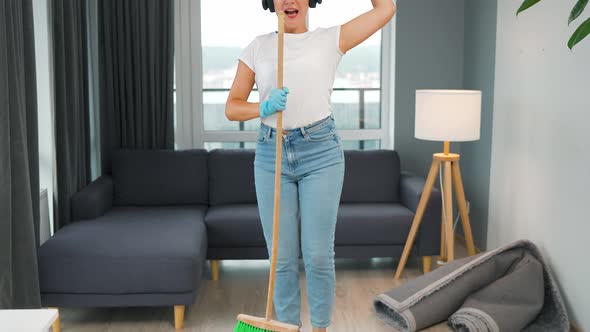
(362, 27)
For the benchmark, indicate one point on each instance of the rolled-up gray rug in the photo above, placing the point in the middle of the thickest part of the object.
(506, 289)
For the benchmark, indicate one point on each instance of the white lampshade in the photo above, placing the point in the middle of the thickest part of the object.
(448, 115)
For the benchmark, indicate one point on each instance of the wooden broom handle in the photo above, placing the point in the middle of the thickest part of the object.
(277, 193)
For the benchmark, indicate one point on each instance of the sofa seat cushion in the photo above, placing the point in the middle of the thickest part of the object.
(234, 226)
(127, 250)
(372, 224)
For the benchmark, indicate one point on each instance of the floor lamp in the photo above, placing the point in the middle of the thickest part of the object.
(445, 116)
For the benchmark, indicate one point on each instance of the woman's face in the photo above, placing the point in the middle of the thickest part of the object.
(295, 13)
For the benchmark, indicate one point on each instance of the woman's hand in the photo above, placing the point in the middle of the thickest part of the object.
(277, 101)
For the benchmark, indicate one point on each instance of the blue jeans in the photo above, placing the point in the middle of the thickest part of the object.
(312, 174)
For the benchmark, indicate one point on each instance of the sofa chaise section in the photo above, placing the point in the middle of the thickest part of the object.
(138, 236)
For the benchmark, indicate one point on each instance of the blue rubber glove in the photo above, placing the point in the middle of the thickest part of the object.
(277, 101)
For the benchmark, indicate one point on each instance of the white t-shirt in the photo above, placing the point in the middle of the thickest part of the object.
(310, 60)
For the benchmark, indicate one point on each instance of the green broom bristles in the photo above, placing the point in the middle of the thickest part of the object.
(243, 327)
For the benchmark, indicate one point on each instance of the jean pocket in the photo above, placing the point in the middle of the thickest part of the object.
(323, 134)
(262, 135)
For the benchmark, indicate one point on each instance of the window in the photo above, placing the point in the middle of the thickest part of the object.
(357, 100)
(221, 47)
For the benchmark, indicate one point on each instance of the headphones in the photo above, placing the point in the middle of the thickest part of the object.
(269, 4)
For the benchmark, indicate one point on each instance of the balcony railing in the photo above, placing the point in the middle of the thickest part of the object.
(353, 108)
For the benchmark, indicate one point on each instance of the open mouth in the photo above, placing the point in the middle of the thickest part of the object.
(291, 13)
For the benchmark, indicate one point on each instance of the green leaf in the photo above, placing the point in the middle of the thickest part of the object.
(577, 10)
(526, 5)
(581, 32)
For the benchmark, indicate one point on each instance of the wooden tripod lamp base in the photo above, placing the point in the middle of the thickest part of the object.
(451, 175)
(445, 116)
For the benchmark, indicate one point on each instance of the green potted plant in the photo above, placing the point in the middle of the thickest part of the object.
(581, 32)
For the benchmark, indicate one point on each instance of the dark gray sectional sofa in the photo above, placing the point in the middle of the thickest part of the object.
(143, 233)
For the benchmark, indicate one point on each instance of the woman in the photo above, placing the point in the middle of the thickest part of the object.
(313, 159)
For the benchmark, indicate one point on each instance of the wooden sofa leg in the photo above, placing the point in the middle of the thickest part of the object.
(57, 323)
(178, 317)
(427, 263)
(215, 270)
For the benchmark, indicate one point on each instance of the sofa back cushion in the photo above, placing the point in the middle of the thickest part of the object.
(371, 176)
(231, 176)
(160, 177)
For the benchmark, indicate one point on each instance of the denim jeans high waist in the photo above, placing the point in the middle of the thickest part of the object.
(312, 174)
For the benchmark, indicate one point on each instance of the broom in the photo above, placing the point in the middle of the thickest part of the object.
(248, 323)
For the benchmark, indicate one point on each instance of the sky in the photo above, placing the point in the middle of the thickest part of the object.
(236, 22)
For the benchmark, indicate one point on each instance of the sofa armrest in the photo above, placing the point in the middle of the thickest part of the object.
(93, 200)
(428, 239)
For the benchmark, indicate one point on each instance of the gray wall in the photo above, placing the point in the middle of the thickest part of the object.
(539, 176)
(478, 74)
(447, 45)
(429, 55)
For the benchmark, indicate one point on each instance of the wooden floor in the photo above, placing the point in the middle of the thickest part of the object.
(242, 288)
